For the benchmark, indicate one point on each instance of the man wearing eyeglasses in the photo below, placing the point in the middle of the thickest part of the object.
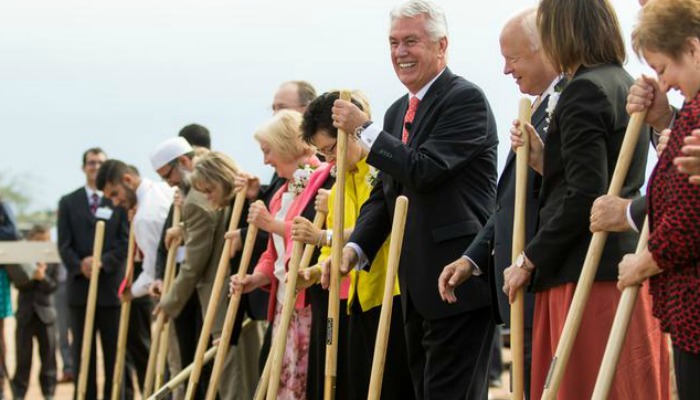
(204, 229)
(78, 213)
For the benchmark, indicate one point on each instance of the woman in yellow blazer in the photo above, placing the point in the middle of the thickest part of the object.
(364, 287)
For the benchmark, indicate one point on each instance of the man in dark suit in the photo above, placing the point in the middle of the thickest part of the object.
(36, 317)
(438, 148)
(490, 252)
(78, 213)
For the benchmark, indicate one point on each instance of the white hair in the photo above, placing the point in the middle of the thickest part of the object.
(435, 21)
(528, 21)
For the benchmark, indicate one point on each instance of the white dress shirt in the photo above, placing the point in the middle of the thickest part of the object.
(90, 191)
(153, 204)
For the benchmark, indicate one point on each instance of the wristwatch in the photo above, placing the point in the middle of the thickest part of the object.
(521, 263)
(360, 129)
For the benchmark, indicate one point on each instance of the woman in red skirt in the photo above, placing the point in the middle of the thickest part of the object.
(587, 126)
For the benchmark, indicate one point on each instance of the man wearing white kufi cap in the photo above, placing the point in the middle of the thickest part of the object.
(171, 154)
(203, 228)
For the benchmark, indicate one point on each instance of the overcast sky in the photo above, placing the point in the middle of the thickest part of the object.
(125, 75)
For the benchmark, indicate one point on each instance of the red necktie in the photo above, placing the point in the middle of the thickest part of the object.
(93, 204)
(408, 119)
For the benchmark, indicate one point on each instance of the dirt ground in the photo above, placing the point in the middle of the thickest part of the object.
(65, 391)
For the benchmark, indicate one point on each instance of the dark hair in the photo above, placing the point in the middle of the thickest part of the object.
(92, 150)
(318, 116)
(577, 32)
(306, 92)
(665, 27)
(112, 172)
(196, 135)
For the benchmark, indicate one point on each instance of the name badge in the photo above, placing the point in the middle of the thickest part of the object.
(104, 213)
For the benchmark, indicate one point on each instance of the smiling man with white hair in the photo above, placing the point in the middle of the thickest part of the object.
(437, 146)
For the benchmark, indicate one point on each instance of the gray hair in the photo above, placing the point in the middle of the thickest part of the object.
(436, 23)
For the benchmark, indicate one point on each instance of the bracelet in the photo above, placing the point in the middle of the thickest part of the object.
(329, 237)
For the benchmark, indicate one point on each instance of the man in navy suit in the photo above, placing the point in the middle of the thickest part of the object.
(490, 251)
(78, 213)
(437, 147)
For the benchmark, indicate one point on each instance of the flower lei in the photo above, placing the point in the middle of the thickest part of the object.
(372, 176)
(300, 180)
(553, 100)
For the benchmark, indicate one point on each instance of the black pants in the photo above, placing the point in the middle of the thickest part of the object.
(687, 374)
(362, 336)
(496, 365)
(107, 325)
(188, 325)
(46, 336)
(138, 342)
(318, 298)
(449, 357)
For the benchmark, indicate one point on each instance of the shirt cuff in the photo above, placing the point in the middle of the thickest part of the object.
(180, 255)
(367, 138)
(361, 257)
(630, 220)
(477, 271)
(141, 284)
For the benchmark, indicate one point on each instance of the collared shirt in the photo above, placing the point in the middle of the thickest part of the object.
(90, 191)
(369, 135)
(153, 202)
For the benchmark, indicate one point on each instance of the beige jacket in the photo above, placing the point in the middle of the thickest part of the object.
(205, 228)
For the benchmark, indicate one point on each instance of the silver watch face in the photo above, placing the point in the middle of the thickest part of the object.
(520, 260)
(358, 131)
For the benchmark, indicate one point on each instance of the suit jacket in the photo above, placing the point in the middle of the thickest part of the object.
(204, 240)
(638, 211)
(492, 248)
(76, 234)
(448, 172)
(37, 297)
(581, 151)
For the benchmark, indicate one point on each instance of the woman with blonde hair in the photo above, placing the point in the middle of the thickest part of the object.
(296, 162)
(214, 175)
(587, 126)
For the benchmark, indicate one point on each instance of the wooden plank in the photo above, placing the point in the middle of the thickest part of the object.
(20, 252)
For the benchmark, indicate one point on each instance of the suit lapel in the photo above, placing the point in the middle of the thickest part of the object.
(427, 103)
(536, 120)
(540, 113)
(83, 206)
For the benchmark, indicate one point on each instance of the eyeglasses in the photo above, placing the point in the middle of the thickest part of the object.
(166, 177)
(93, 163)
(328, 151)
(283, 106)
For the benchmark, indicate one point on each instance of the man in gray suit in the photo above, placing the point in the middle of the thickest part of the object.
(490, 252)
